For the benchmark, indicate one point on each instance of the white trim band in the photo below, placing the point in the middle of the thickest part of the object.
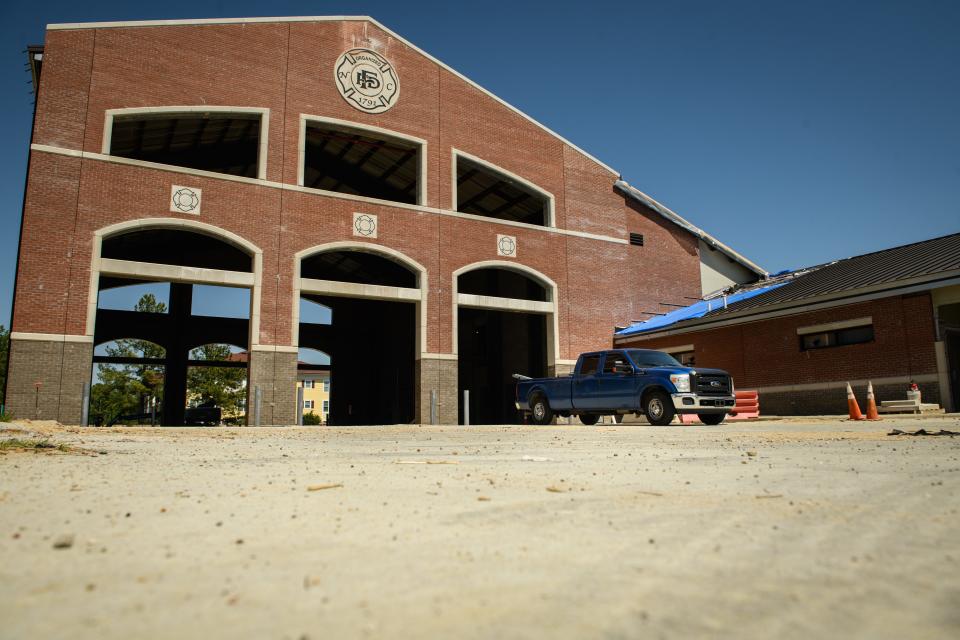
(49, 337)
(174, 273)
(87, 155)
(504, 304)
(680, 349)
(834, 326)
(340, 289)
(837, 384)
(274, 348)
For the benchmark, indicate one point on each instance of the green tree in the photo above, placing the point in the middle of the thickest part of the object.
(127, 389)
(223, 387)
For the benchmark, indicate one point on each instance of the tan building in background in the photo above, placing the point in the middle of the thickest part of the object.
(316, 392)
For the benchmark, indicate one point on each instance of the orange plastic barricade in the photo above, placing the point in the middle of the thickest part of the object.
(748, 406)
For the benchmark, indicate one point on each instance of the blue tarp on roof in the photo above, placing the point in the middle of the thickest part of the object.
(696, 310)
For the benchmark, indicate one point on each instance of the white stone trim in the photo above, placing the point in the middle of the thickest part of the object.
(273, 348)
(833, 326)
(569, 363)
(839, 384)
(551, 221)
(285, 19)
(553, 320)
(352, 289)
(50, 337)
(256, 285)
(355, 290)
(263, 112)
(362, 127)
(86, 155)
(504, 304)
(439, 356)
(174, 273)
(683, 348)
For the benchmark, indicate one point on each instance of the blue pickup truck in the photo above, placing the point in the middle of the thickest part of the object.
(622, 381)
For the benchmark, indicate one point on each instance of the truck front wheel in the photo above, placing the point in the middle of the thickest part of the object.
(658, 408)
(589, 419)
(540, 410)
(712, 419)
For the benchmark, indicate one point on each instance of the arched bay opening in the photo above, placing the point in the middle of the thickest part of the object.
(197, 310)
(505, 324)
(375, 296)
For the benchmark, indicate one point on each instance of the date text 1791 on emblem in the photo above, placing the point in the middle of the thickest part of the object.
(367, 80)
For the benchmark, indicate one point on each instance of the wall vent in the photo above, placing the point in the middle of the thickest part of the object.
(636, 239)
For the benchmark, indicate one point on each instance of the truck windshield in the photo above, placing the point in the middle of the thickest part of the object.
(648, 358)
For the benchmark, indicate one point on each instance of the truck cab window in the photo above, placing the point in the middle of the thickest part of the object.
(615, 361)
(589, 365)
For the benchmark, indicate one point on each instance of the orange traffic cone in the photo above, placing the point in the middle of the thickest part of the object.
(872, 413)
(852, 405)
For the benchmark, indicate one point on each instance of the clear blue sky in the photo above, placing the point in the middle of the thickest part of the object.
(795, 132)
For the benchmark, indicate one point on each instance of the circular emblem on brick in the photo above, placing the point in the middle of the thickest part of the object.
(367, 80)
(185, 199)
(507, 245)
(365, 225)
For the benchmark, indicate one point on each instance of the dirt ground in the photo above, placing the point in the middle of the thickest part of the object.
(790, 529)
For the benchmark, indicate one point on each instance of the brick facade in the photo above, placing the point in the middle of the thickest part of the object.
(766, 354)
(287, 67)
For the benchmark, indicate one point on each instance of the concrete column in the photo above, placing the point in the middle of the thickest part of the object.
(438, 374)
(943, 376)
(275, 372)
(561, 369)
(177, 354)
(45, 379)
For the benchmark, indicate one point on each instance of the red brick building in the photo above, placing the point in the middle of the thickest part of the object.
(455, 239)
(891, 317)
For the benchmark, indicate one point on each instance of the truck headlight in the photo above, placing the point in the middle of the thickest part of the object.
(681, 381)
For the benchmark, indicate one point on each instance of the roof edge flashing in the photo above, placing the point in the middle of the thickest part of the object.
(634, 193)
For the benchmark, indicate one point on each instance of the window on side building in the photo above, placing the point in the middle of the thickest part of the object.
(484, 190)
(361, 162)
(836, 337)
(222, 142)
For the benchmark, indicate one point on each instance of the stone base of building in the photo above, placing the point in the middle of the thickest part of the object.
(439, 375)
(45, 379)
(833, 401)
(274, 374)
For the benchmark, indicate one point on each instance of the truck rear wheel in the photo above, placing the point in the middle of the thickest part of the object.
(712, 419)
(658, 408)
(589, 419)
(540, 411)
